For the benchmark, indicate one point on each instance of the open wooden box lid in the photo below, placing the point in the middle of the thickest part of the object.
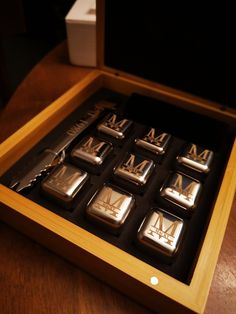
(126, 48)
(187, 49)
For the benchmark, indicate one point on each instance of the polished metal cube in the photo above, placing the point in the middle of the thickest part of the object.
(196, 158)
(182, 190)
(114, 126)
(111, 207)
(135, 168)
(161, 232)
(64, 182)
(154, 141)
(92, 150)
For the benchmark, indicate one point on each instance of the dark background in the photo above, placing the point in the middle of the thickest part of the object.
(28, 30)
(187, 45)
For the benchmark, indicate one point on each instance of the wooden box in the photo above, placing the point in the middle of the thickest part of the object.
(133, 276)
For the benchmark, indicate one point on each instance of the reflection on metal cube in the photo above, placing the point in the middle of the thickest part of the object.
(181, 190)
(92, 150)
(135, 168)
(111, 206)
(196, 158)
(161, 232)
(154, 141)
(64, 183)
(114, 126)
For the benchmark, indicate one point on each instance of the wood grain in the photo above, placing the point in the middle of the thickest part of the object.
(35, 280)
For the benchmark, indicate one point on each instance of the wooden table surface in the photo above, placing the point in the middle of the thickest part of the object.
(35, 280)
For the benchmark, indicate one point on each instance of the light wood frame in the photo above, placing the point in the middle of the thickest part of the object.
(114, 266)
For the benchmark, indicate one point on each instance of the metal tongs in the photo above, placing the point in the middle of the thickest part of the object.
(55, 154)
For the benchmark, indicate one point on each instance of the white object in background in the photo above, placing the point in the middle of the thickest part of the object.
(81, 33)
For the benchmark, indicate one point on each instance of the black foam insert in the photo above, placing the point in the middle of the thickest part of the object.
(184, 126)
(187, 46)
